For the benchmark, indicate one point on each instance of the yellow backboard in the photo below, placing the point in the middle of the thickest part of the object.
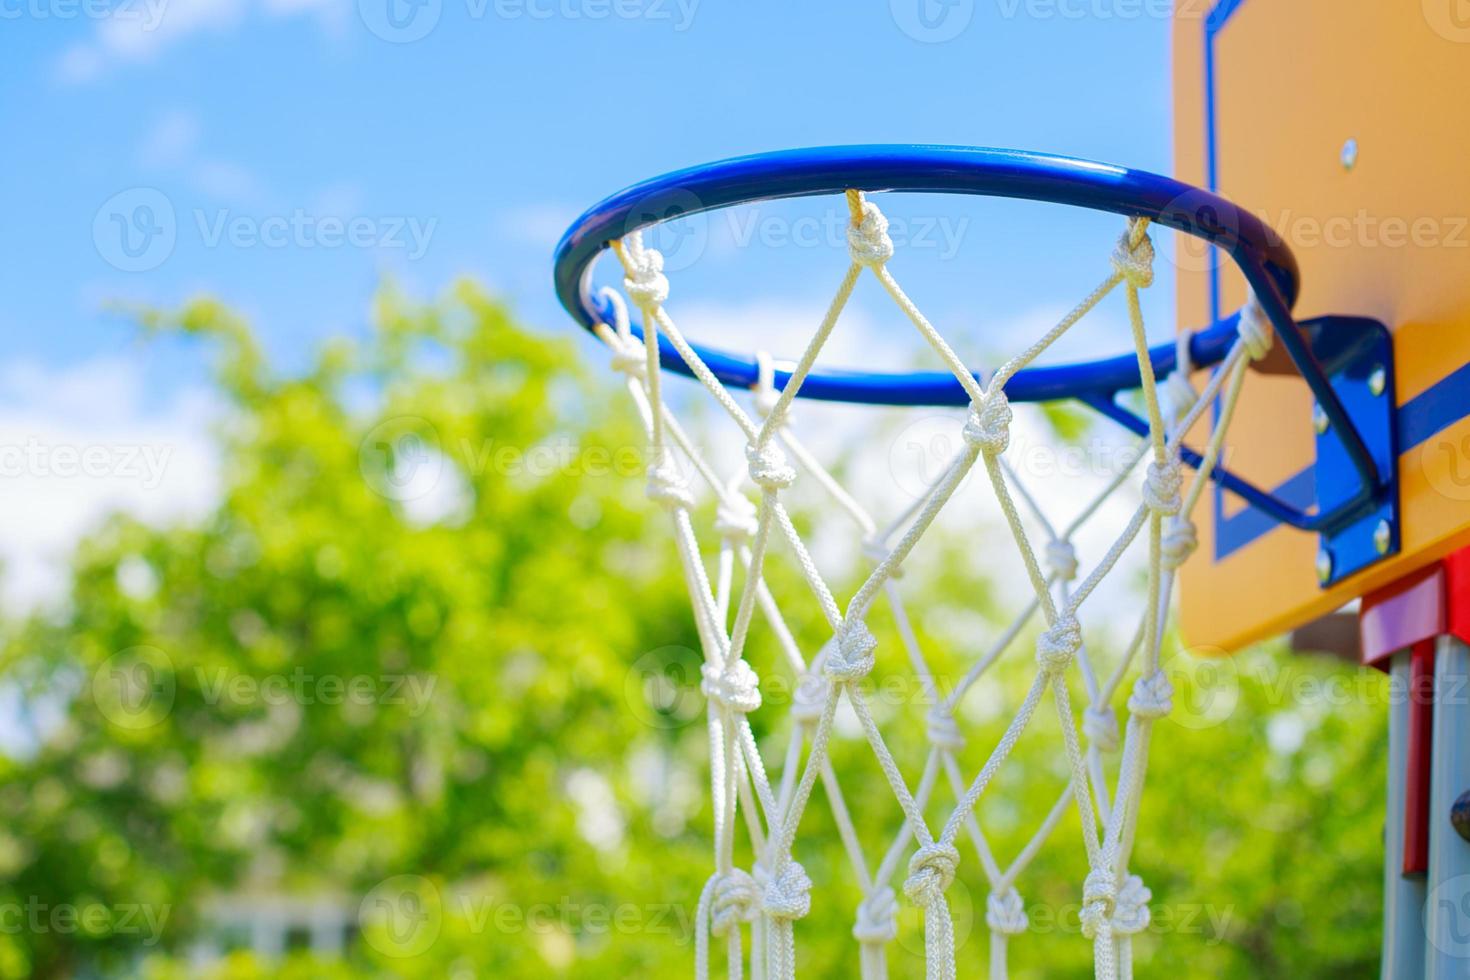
(1344, 125)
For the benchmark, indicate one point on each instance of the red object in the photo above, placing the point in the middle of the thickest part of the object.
(1457, 594)
(1418, 756)
(1411, 615)
(1407, 612)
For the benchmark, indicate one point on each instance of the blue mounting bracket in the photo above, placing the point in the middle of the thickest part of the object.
(1360, 370)
(1357, 522)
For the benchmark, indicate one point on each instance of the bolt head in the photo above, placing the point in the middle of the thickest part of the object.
(1378, 381)
(1324, 566)
(1382, 537)
(1349, 154)
(1319, 419)
(1460, 815)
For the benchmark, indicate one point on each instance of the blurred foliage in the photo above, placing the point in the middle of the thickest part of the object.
(449, 515)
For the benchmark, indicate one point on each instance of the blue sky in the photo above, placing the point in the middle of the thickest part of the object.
(250, 120)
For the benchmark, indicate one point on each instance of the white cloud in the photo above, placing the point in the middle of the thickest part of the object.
(79, 443)
(540, 225)
(137, 33)
(170, 141)
(172, 145)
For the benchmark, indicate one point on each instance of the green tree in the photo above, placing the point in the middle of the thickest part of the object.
(406, 661)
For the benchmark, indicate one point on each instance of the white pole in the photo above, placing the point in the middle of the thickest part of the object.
(1447, 909)
(1403, 896)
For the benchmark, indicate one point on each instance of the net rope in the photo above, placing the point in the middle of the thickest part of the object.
(765, 901)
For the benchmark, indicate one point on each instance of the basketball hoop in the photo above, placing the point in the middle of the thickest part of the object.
(765, 901)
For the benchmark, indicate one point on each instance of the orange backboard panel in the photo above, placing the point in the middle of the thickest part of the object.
(1344, 125)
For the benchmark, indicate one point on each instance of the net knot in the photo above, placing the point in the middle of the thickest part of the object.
(852, 658)
(876, 550)
(1056, 646)
(630, 357)
(942, 730)
(1099, 898)
(1061, 558)
(1131, 915)
(1178, 543)
(931, 872)
(1133, 257)
(644, 280)
(735, 518)
(1255, 330)
(736, 687)
(988, 426)
(768, 467)
(1005, 913)
(1161, 487)
(666, 486)
(1180, 394)
(789, 894)
(736, 900)
(1100, 725)
(1152, 696)
(809, 700)
(867, 241)
(877, 918)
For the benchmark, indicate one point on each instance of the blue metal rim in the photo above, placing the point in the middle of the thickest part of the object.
(1263, 258)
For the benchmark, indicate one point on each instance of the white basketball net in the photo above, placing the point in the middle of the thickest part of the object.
(775, 892)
